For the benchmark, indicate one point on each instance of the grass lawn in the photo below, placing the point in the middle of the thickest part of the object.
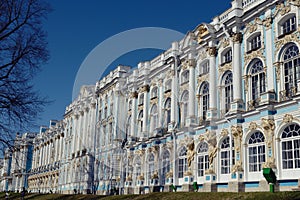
(167, 196)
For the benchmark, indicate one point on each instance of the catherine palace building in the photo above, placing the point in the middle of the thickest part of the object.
(208, 114)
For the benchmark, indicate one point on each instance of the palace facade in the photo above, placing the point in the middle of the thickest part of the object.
(210, 113)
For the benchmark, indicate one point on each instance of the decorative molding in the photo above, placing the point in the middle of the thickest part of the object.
(252, 26)
(134, 95)
(202, 31)
(277, 66)
(145, 88)
(294, 37)
(294, 2)
(224, 68)
(288, 118)
(202, 54)
(154, 101)
(254, 54)
(225, 42)
(253, 126)
(212, 51)
(224, 132)
(237, 37)
(282, 9)
(268, 23)
(202, 78)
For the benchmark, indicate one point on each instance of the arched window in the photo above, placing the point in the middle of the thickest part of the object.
(167, 112)
(140, 121)
(290, 144)
(202, 159)
(185, 76)
(258, 79)
(291, 62)
(150, 168)
(165, 165)
(256, 149)
(182, 162)
(137, 168)
(154, 118)
(204, 99)
(184, 107)
(154, 92)
(287, 26)
(228, 90)
(227, 151)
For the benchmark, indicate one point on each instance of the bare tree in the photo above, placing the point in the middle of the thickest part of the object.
(23, 50)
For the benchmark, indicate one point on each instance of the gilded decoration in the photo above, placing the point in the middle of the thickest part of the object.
(170, 74)
(254, 54)
(134, 95)
(129, 178)
(269, 126)
(140, 152)
(224, 68)
(237, 133)
(252, 126)
(288, 118)
(141, 177)
(212, 51)
(167, 94)
(154, 175)
(170, 174)
(268, 22)
(140, 107)
(286, 39)
(145, 88)
(294, 2)
(211, 138)
(282, 9)
(154, 101)
(278, 70)
(190, 153)
(202, 78)
(237, 37)
(252, 26)
(202, 31)
(238, 167)
(225, 42)
(270, 163)
(224, 132)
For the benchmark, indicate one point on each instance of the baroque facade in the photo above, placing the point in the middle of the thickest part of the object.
(208, 114)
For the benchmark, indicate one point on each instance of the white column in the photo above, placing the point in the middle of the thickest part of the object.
(212, 52)
(174, 97)
(192, 91)
(134, 96)
(145, 89)
(237, 67)
(56, 150)
(161, 104)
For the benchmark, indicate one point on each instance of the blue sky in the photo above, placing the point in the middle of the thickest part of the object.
(77, 27)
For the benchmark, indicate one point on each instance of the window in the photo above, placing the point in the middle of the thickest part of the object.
(227, 56)
(140, 121)
(288, 25)
(137, 168)
(228, 87)
(182, 162)
(204, 68)
(167, 112)
(258, 79)
(227, 151)
(154, 92)
(202, 159)
(130, 105)
(204, 98)
(255, 42)
(154, 118)
(184, 107)
(128, 125)
(141, 99)
(185, 76)
(168, 86)
(256, 151)
(291, 62)
(290, 144)
(150, 169)
(165, 165)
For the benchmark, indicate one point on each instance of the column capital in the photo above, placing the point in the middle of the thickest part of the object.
(237, 38)
(212, 51)
(134, 95)
(191, 63)
(145, 88)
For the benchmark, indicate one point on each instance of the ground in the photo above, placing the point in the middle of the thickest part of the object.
(166, 196)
